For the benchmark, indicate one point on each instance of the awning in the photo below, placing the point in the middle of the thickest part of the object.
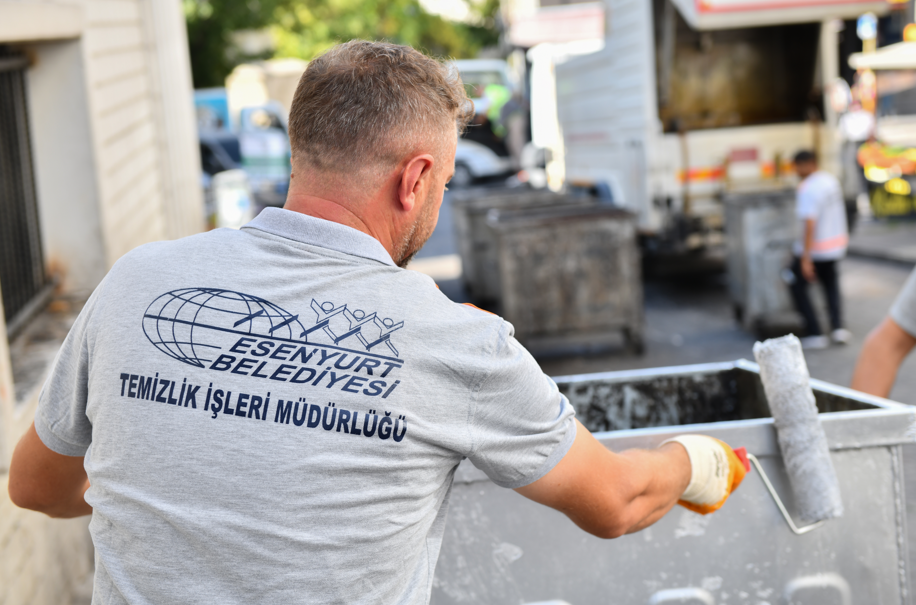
(894, 56)
(727, 14)
(557, 24)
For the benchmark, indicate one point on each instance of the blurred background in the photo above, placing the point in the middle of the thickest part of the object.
(624, 196)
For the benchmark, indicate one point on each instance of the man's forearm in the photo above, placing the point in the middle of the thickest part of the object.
(646, 486)
(885, 349)
(69, 506)
(809, 238)
(45, 481)
(662, 494)
(608, 494)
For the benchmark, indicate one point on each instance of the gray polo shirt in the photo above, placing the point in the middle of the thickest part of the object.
(275, 414)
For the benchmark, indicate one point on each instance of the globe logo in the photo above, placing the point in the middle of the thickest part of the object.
(192, 323)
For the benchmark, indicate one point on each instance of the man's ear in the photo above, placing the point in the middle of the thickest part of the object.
(416, 176)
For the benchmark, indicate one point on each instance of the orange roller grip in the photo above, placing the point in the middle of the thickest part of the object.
(738, 467)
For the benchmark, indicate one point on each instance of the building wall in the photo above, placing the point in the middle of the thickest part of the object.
(141, 103)
(43, 561)
(117, 165)
(122, 106)
(65, 166)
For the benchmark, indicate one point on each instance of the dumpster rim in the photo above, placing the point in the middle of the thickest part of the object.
(844, 431)
(827, 419)
(719, 366)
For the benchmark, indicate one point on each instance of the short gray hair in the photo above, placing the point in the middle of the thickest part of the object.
(367, 104)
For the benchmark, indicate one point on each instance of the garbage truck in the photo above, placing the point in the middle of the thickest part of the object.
(691, 100)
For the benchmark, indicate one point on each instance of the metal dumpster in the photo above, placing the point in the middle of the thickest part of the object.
(570, 276)
(759, 230)
(502, 548)
(479, 266)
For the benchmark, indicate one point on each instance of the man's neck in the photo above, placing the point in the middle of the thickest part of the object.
(327, 209)
(337, 211)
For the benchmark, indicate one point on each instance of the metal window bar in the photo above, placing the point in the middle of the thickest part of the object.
(23, 279)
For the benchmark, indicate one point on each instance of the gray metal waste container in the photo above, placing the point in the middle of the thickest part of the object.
(759, 230)
(479, 266)
(570, 277)
(501, 548)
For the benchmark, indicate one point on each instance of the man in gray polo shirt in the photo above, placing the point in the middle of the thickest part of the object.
(275, 414)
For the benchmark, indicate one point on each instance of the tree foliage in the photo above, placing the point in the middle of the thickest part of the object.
(306, 28)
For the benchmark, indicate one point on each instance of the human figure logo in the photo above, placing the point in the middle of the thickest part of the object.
(192, 324)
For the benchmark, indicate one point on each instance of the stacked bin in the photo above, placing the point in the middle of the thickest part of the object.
(569, 276)
(760, 229)
(476, 245)
(502, 548)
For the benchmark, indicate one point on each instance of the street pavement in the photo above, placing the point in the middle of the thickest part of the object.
(885, 240)
(691, 321)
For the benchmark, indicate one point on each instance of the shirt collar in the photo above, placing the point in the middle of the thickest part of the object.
(319, 232)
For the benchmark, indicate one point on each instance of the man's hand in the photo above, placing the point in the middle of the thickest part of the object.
(717, 471)
(45, 481)
(609, 494)
(807, 269)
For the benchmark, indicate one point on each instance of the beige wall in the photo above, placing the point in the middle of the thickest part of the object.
(123, 65)
(43, 561)
(117, 166)
(141, 103)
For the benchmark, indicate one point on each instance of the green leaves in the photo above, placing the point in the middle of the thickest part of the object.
(306, 28)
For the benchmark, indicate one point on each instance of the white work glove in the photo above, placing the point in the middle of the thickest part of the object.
(716, 471)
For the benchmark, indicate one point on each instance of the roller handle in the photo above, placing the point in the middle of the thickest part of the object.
(741, 453)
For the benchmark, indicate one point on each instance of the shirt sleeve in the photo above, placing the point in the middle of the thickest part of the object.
(903, 312)
(60, 419)
(521, 426)
(808, 201)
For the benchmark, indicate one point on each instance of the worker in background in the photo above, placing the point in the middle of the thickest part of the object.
(888, 345)
(482, 130)
(822, 242)
(275, 414)
(514, 115)
(497, 96)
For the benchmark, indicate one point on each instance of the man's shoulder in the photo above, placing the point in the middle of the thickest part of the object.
(821, 187)
(153, 250)
(462, 328)
(827, 176)
(424, 291)
(825, 180)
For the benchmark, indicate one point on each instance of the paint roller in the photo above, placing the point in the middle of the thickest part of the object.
(802, 441)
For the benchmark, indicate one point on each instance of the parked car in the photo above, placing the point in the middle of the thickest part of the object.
(254, 139)
(219, 151)
(475, 162)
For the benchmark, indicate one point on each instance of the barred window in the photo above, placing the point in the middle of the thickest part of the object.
(23, 279)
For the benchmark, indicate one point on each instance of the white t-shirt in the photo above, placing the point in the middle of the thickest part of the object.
(274, 415)
(857, 126)
(820, 197)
